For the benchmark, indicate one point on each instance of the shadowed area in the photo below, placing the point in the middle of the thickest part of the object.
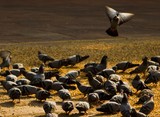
(43, 20)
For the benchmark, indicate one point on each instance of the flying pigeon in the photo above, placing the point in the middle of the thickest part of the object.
(116, 19)
(6, 56)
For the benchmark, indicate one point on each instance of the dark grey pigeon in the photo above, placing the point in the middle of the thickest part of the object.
(8, 84)
(42, 95)
(64, 94)
(109, 107)
(116, 19)
(148, 106)
(75, 59)
(135, 113)
(93, 98)
(125, 107)
(67, 106)
(93, 81)
(28, 89)
(6, 59)
(84, 89)
(44, 57)
(98, 67)
(124, 87)
(124, 65)
(138, 84)
(57, 63)
(156, 59)
(142, 67)
(103, 95)
(153, 77)
(106, 72)
(14, 93)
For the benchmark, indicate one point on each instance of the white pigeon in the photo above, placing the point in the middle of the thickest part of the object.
(116, 19)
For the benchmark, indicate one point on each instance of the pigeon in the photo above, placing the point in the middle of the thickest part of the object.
(109, 107)
(6, 56)
(156, 59)
(146, 92)
(57, 63)
(143, 99)
(153, 77)
(93, 98)
(47, 84)
(18, 66)
(125, 107)
(75, 59)
(15, 93)
(135, 113)
(106, 72)
(64, 94)
(8, 84)
(82, 106)
(93, 81)
(42, 95)
(59, 85)
(148, 106)
(84, 89)
(28, 89)
(49, 106)
(117, 98)
(116, 19)
(73, 74)
(65, 79)
(152, 68)
(124, 65)
(23, 81)
(50, 74)
(11, 77)
(103, 95)
(96, 68)
(67, 106)
(15, 72)
(138, 84)
(110, 87)
(124, 87)
(115, 78)
(142, 67)
(44, 57)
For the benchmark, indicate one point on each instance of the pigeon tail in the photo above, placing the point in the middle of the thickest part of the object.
(112, 32)
(84, 58)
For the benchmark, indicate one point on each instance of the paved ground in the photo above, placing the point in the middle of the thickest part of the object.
(37, 20)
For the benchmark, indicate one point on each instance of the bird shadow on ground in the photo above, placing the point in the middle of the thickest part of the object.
(35, 103)
(8, 104)
(71, 115)
(100, 114)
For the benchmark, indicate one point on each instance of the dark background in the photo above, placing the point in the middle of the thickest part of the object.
(44, 20)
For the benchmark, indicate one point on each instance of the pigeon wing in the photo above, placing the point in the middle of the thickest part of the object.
(111, 13)
(125, 17)
(4, 54)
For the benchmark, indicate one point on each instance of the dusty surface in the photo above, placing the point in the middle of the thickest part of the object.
(35, 20)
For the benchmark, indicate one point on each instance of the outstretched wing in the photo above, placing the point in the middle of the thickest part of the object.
(4, 54)
(111, 13)
(125, 17)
